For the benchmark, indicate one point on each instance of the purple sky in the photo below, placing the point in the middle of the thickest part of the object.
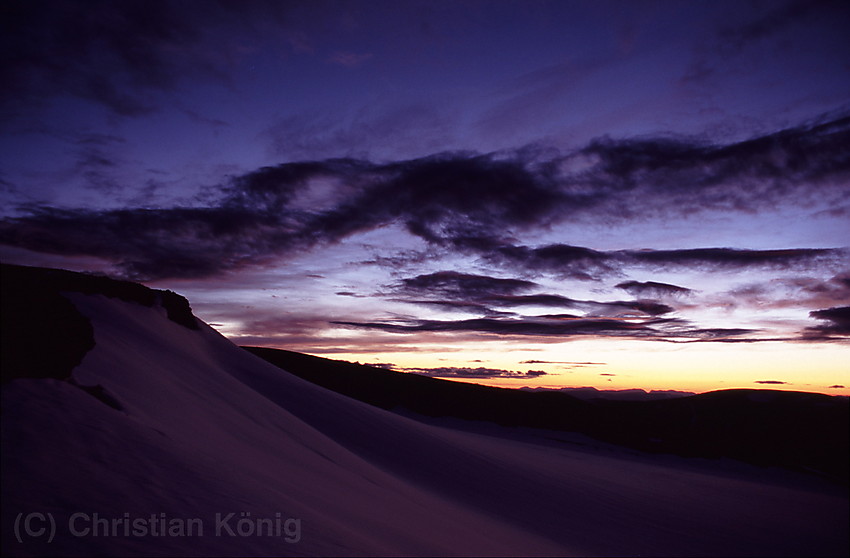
(625, 194)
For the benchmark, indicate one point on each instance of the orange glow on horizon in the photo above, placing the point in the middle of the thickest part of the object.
(623, 364)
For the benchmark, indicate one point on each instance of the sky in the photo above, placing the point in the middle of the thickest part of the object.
(622, 195)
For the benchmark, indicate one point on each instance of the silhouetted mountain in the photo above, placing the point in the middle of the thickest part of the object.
(588, 392)
(796, 430)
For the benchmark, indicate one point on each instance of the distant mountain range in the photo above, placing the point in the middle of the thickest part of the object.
(618, 394)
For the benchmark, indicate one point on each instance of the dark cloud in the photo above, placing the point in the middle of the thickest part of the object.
(403, 259)
(837, 318)
(273, 326)
(649, 307)
(480, 294)
(575, 262)
(521, 326)
(719, 258)
(101, 51)
(836, 386)
(662, 329)
(777, 382)
(735, 38)
(149, 244)
(836, 290)
(652, 289)
(450, 197)
(561, 362)
(829, 17)
(842, 280)
(594, 308)
(124, 55)
(653, 176)
(457, 306)
(450, 372)
(464, 202)
(441, 198)
(559, 316)
(550, 300)
(465, 286)
(585, 264)
(715, 335)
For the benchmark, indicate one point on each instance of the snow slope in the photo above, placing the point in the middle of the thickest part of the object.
(205, 428)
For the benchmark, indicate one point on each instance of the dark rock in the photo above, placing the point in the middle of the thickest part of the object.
(42, 335)
(178, 309)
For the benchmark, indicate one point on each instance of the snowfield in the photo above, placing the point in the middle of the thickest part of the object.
(214, 452)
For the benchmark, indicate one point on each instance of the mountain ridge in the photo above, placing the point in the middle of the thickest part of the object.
(799, 430)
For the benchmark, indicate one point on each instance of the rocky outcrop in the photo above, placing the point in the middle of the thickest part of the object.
(43, 335)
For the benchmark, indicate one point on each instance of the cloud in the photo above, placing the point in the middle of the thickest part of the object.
(575, 262)
(149, 244)
(789, 292)
(520, 326)
(837, 318)
(480, 294)
(551, 300)
(126, 55)
(449, 372)
(109, 52)
(737, 37)
(463, 202)
(652, 289)
(468, 201)
(595, 308)
(649, 307)
(457, 306)
(767, 37)
(719, 258)
(776, 382)
(662, 329)
(594, 311)
(456, 285)
(715, 335)
(692, 176)
(571, 364)
(586, 264)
